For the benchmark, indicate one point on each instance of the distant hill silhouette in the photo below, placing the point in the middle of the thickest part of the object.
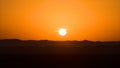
(55, 54)
(46, 46)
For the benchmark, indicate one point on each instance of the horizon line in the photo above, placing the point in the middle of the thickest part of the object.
(63, 40)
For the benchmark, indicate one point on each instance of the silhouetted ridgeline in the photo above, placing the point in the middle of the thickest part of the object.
(46, 46)
(17, 42)
(63, 54)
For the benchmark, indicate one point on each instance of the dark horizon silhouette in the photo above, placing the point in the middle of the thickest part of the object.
(49, 46)
(69, 54)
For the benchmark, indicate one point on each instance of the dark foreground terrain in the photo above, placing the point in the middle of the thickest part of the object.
(59, 54)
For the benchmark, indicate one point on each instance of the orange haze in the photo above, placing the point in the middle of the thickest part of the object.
(40, 19)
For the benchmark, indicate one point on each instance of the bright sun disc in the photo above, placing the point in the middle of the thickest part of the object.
(62, 31)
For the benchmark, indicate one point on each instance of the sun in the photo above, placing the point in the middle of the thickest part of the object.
(62, 31)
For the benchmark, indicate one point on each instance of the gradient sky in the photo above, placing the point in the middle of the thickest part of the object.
(40, 19)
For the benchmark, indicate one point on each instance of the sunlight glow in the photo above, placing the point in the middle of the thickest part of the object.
(62, 31)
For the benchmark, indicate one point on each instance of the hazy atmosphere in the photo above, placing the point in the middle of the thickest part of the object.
(41, 19)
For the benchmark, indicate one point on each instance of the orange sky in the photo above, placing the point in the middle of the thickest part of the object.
(40, 19)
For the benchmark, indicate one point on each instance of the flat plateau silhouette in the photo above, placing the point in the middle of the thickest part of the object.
(15, 46)
(69, 54)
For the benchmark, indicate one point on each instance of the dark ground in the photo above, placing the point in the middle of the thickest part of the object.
(59, 54)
